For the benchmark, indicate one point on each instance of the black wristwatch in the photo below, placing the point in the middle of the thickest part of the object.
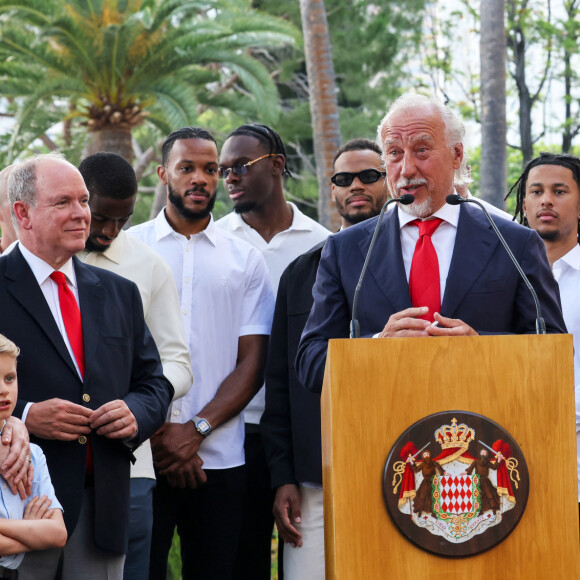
(202, 425)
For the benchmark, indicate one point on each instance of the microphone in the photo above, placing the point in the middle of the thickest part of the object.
(405, 199)
(456, 199)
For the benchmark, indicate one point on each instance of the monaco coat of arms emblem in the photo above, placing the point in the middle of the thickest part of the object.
(454, 477)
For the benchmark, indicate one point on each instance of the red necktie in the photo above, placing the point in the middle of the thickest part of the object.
(71, 316)
(424, 282)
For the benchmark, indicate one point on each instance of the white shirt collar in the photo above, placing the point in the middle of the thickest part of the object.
(163, 228)
(571, 260)
(42, 270)
(299, 221)
(448, 213)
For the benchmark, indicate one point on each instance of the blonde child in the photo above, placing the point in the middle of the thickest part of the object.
(34, 523)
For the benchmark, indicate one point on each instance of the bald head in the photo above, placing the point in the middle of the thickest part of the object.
(8, 233)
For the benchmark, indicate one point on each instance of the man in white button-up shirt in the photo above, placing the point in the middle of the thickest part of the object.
(112, 185)
(227, 306)
(548, 200)
(253, 165)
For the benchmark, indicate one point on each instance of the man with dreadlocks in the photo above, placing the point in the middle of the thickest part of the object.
(548, 200)
(253, 166)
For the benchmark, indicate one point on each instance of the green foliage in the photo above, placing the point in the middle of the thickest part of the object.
(122, 63)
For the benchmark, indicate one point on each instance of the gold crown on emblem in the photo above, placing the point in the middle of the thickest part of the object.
(454, 435)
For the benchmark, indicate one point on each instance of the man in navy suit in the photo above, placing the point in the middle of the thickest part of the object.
(480, 290)
(87, 411)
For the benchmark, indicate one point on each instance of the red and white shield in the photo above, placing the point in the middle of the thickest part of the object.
(455, 494)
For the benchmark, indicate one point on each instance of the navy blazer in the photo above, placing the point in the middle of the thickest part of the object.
(290, 424)
(121, 362)
(483, 287)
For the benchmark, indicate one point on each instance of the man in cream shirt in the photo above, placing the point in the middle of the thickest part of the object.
(112, 186)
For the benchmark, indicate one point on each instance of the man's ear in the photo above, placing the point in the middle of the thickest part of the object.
(332, 195)
(162, 173)
(458, 155)
(22, 213)
(278, 164)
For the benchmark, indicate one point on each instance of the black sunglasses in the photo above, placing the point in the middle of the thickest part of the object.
(344, 178)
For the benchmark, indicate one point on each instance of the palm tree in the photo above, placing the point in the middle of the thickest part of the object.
(323, 102)
(115, 64)
(493, 102)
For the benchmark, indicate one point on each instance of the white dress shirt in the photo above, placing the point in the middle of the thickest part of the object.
(49, 287)
(132, 259)
(567, 273)
(225, 293)
(443, 239)
(302, 235)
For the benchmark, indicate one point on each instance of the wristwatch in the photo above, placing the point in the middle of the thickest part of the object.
(202, 425)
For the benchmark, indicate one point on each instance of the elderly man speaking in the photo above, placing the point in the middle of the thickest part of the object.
(437, 269)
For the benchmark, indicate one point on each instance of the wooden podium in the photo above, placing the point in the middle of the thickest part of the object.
(374, 389)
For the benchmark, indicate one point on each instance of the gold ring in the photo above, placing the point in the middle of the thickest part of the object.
(123, 422)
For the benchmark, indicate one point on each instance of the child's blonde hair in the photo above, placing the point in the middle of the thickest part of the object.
(8, 347)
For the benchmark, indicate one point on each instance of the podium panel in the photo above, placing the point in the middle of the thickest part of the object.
(374, 389)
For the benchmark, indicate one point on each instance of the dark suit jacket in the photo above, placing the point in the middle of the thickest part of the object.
(290, 424)
(121, 362)
(483, 287)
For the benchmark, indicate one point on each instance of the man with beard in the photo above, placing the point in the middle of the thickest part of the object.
(423, 502)
(290, 424)
(489, 495)
(112, 186)
(226, 304)
(437, 269)
(253, 166)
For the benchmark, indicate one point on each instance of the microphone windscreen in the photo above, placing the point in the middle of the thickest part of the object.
(454, 199)
(407, 199)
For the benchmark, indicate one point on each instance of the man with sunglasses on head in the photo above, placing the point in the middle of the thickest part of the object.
(253, 166)
(290, 424)
(227, 305)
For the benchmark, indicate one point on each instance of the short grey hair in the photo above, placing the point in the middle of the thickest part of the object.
(454, 127)
(22, 180)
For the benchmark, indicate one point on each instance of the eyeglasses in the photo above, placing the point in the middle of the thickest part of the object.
(344, 178)
(240, 168)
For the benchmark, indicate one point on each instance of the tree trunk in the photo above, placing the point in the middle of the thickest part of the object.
(570, 42)
(323, 103)
(493, 102)
(159, 200)
(110, 139)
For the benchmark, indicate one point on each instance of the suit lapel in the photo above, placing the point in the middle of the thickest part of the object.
(474, 245)
(24, 288)
(386, 268)
(91, 298)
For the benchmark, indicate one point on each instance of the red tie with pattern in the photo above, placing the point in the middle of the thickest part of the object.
(424, 282)
(71, 316)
